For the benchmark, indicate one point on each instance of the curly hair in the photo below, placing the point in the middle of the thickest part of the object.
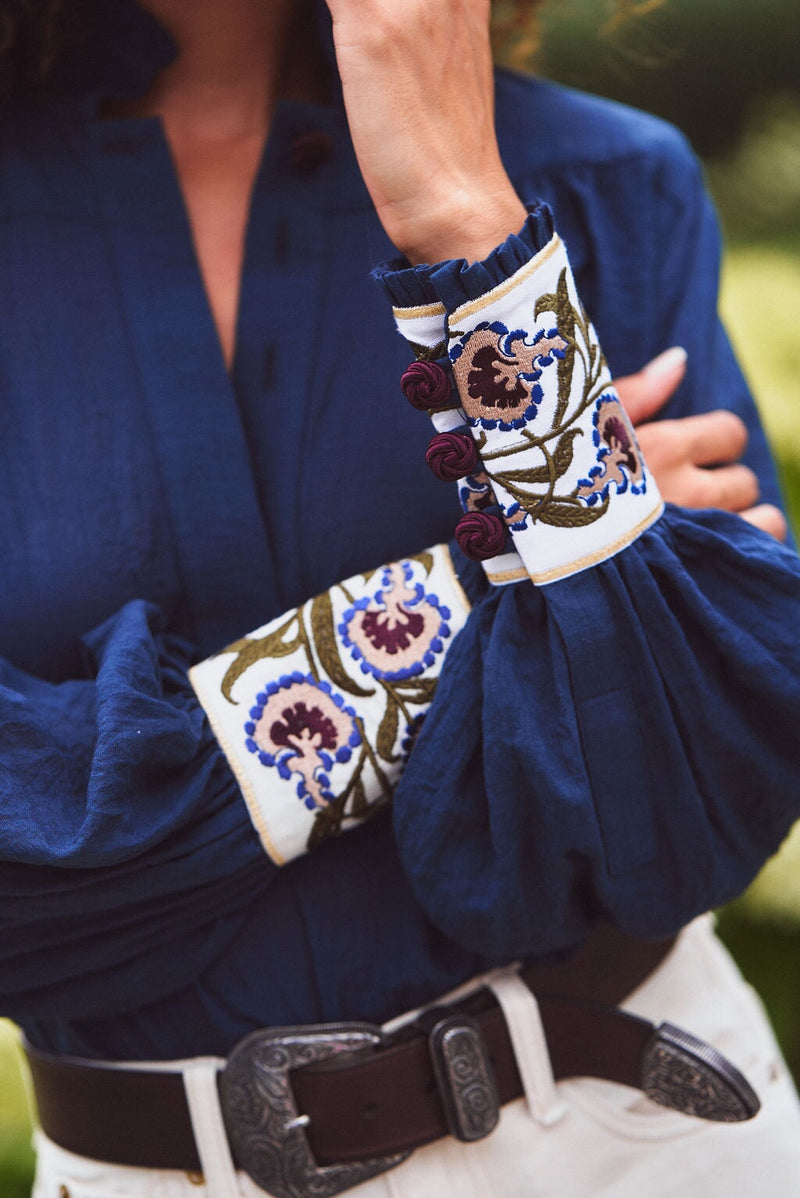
(515, 25)
(33, 36)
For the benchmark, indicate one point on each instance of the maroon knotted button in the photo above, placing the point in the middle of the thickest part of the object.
(481, 535)
(452, 455)
(426, 386)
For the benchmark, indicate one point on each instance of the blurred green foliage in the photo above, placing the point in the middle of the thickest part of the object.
(698, 63)
(16, 1153)
(757, 184)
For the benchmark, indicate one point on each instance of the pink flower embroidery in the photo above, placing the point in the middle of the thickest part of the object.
(498, 372)
(302, 727)
(619, 458)
(397, 632)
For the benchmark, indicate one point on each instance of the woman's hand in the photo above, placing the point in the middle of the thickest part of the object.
(418, 88)
(695, 460)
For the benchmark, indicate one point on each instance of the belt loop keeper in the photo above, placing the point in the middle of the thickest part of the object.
(202, 1097)
(524, 1021)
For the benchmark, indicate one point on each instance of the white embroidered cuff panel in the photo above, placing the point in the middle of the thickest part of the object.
(425, 328)
(317, 711)
(554, 439)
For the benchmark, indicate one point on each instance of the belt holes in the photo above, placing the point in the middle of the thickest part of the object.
(369, 1112)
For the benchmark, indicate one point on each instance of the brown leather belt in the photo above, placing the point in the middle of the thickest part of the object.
(345, 1093)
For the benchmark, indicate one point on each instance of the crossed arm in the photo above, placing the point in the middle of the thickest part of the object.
(418, 87)
(695, 460)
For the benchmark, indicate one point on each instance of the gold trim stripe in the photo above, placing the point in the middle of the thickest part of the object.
(600, 555)
(436, 309)
(515, 575)
(502, 289)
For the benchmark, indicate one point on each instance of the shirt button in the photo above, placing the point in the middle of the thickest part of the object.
(310, 150)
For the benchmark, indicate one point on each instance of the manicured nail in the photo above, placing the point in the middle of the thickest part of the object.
(671, 360)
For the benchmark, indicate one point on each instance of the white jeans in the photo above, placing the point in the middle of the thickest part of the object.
(579, 1139)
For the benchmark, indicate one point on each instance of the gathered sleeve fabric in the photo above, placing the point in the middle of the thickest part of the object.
(124, 833)
(618, 740)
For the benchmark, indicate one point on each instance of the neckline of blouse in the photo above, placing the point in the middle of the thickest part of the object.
(126, 49)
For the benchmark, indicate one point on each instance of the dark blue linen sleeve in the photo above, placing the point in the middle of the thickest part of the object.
(620, 742)
(687, 289)
(124, 833)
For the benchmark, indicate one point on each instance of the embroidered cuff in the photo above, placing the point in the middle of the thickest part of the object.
(557, 446)
(317, 711)
(425, 328)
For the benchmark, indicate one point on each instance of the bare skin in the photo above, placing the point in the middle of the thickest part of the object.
(398, 60)
(695, 460)
(216, 102)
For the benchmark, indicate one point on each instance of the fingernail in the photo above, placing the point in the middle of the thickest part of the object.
(668, 362)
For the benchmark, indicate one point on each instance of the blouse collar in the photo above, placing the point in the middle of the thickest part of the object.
(122, 51)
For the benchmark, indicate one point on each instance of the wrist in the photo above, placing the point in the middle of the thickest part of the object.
(468, 229)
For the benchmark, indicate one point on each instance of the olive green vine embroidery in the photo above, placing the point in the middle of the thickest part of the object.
(311, 629)
(429, 353)
(557, 445)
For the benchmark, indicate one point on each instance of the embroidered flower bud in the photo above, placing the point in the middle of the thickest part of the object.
(426, 386)
(481, 535)
(452, 456)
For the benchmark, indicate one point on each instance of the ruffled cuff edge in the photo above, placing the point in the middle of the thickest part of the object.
(457, 281)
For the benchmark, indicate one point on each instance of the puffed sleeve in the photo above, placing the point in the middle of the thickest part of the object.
(614, 730)
(124, 834)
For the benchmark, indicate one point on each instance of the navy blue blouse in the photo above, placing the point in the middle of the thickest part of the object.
(155, 507)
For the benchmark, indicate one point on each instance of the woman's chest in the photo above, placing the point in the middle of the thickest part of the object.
(131, 465)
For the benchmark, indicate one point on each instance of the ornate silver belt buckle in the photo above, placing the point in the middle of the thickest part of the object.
(691, 1076)
(265, 1129)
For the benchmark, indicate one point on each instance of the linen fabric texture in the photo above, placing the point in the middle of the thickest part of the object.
(619, 744)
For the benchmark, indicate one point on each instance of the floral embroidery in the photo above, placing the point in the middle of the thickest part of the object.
(555, 451)
(397, 632)
(475, 492)
(528, 486)
(498, 372)
(301, 726)
(620, 461)
(341, 685)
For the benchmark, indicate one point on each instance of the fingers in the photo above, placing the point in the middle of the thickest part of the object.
(769, 519)
(731, 488)
(714, 437)
(680, 452)
(644, 394)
